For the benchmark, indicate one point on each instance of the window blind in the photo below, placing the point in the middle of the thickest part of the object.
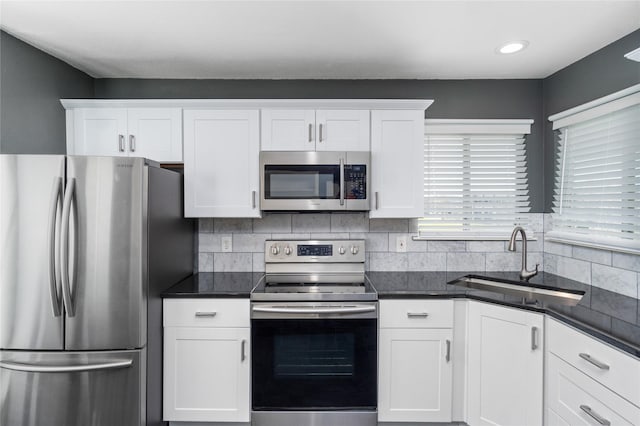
(597, 185)
(474, 184)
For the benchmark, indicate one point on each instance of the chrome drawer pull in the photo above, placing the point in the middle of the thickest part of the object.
(595, 416)
(534, 338)
(448, 356)
(417, 314)
(200, 314)
(593, 361)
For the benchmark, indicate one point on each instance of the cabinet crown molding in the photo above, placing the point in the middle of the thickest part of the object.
(400, 104)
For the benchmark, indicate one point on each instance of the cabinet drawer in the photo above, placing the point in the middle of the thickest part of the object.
(416, 313)
(206, 313)
(577, 399)
(609, 366)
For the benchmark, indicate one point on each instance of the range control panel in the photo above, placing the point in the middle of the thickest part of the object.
(313, 251)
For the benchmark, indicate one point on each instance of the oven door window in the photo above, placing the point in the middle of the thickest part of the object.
(314, 364)
(290, 182)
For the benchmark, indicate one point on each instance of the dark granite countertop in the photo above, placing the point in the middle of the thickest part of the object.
(609, 316)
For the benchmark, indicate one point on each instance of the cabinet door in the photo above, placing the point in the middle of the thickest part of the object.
(206, 374)
(342, 130)
(288, 130)
(99, 131)
(155, 133)
(415, 375)
(505, 366)
(397, 164)
(221, 176)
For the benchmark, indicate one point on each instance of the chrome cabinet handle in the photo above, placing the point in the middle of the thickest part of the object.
(320, 134)
(593, 361)
(36, 368)
(64, 247)
(534, 338)
(448, 356)
(54, 254)
(595, 416)
(132, 143)
(253, 199)
(377, 204)
(341, 182)
(417, 314)
(310, 132)
(121, 143)
(202, 314)
(243, 354)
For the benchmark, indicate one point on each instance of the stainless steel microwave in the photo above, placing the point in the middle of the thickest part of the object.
(309, 180)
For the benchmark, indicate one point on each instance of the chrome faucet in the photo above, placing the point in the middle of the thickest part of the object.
(525, 275)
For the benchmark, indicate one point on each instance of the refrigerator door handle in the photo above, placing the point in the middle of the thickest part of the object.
(54, 271)
(37, 368)
(64, 246)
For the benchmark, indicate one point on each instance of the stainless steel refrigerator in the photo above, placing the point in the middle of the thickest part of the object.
(87, 244)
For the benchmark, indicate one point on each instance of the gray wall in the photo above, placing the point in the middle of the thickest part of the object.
(599, 74)
(31, 86)
(453, 99)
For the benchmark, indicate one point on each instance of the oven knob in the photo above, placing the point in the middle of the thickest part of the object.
(287, 250)
(341, 250)
(275, 250)
(354, 250)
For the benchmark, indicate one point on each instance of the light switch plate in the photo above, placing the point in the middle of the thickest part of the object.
(227, 244)
(401, 244)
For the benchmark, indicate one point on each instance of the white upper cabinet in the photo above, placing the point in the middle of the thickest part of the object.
(505, 367)
(397, 164)
(221, 176)
(315, 130)
(154, 133)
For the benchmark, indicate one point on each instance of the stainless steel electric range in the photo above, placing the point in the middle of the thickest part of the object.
(314, 336)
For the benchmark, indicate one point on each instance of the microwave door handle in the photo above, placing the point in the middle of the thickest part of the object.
(341, 182)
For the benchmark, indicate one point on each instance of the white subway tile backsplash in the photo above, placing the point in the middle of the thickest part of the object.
(330, 236)
(426, 261)
(231, 225)
(486, 246)
(249, 242)
(233, 262)
(313, 222)
(273, 222)
(465, 261)
(258, 262)
(627, 261)
(349, 222)
(389, 225)
(447, 246)
(615, 279)
(205, 262)
(388, 261)
(578, 270)
(558, 249)
(210, 242)
(505, 261)
(374, 241)
(602, 257)
(294, 236)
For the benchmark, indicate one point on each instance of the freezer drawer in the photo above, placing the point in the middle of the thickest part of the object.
(72, 388)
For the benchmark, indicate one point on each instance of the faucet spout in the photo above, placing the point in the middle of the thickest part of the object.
(525, 274)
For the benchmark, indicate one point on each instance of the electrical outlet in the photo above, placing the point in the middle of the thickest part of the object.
(227, 244)
(401, 244)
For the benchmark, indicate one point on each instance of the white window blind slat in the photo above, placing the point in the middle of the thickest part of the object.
(597, 183)
(475, 184)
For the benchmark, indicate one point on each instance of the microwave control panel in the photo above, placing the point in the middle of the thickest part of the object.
(355, 181)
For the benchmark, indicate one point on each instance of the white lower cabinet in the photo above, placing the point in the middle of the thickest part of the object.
(589, 382)
(505, 366)
(206, 374)
(415, 368)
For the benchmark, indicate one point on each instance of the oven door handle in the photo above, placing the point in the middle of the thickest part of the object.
(314, 310)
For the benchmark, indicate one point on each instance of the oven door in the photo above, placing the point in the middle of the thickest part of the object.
(324, 359)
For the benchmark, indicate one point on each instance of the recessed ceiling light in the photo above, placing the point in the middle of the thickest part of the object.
(512, 47)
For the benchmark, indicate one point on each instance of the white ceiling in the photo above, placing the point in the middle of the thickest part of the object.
(318, 39)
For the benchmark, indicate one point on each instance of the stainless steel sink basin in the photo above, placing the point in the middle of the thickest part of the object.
(522, 289)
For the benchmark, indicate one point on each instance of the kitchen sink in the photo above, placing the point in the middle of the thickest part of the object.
(522, 289)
